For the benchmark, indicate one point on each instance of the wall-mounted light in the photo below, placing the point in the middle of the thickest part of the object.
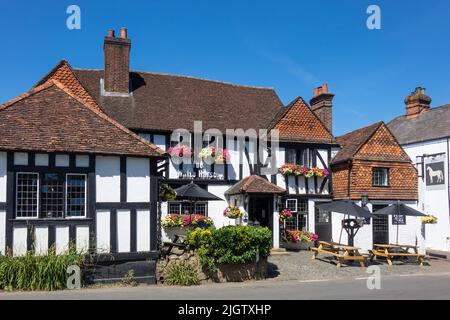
(364, 199)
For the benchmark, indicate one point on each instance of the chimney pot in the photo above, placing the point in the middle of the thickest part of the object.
(417, 102)
(324, 88)
(111, 33)
(124, 33)
(316, 92)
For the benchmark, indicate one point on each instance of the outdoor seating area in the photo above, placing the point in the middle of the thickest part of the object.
(391, 252)
(342, 253)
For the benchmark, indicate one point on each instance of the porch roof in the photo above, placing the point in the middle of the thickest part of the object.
(254, 185)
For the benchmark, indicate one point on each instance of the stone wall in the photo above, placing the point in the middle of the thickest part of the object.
(225, 273)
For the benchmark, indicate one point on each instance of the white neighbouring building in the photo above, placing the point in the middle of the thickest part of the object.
(424, 134)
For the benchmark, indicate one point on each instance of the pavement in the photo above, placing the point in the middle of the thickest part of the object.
(291, 277)
(409, 287)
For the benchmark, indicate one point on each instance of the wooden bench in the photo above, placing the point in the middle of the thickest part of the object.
(342, 253)
(390, 252)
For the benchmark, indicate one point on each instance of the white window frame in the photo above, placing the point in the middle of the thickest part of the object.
(296, 205)
(37, 200)
(66, 216)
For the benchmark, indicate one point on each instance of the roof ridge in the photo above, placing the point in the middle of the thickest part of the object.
(187, 77)
(360, 129)
(24, 95)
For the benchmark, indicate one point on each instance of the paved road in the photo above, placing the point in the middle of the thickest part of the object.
(392, 287)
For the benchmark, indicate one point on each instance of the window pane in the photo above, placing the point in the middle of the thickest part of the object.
(146, 136)
(306, 158)
(52, 196)
(291, 204)
(76, 195)
(174, 208)
(291, 156)
(27, 195)
(200, 208)
(380, 177)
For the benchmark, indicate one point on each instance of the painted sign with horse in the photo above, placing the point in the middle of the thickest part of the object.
(435, 173)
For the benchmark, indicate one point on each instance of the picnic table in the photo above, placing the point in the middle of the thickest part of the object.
(392, 251)
(341, 252)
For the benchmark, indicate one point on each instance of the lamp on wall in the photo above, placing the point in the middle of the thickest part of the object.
(364, 200)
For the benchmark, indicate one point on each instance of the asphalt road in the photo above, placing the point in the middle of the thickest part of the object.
(429, 287)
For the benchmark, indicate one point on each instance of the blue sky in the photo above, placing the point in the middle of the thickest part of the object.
(292, 46)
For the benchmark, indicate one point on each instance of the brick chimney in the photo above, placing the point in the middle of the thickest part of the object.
(322, 105)
(117, 62)
(417, 103)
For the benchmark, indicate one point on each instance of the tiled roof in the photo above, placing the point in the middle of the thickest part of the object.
(168, 102)
(353, 141)
(429, 125)
(51, 118)
(298, 123)
(254, 185)
(63, 73)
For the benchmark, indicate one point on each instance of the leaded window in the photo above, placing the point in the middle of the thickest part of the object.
(76, 195)
(299, 220)
(380, 177)
(27, 195)
(52, 195)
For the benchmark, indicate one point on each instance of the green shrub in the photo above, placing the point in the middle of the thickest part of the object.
(181, 274)
(231, 245)
(31, 272)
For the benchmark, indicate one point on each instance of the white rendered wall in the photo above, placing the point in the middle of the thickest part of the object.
(41, 240)
(123, 231)
(2, 232)
(143, 230)
(138, 180)
(434, 202)
(62, 239)
(20, 241)
(103, 230)
(215, 208)
(107, 171)
(3, 171)
(82, 239)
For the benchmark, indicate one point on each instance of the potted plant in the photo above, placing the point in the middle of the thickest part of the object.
(299, 240)
(285, 214)
(181, 224)
(429, 219)
(233, 212)
(166, 193)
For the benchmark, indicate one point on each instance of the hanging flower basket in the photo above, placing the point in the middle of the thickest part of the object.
(298, 240)
(429, 220)
(186, 221)
(233, 212)
(211, 154)
(285, 214)
(293, 170)
(181, 151)
(166, 193)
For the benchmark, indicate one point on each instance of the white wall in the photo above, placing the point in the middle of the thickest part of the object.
(215, 208)
(41, 240)
(107, 171)
(143, 230)
(82, 239)
(62, 239)
(434, 202)
(3, 171)
(123, 231)
(20, 241)
(138, 180)
(103, 230)
(2, 232)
